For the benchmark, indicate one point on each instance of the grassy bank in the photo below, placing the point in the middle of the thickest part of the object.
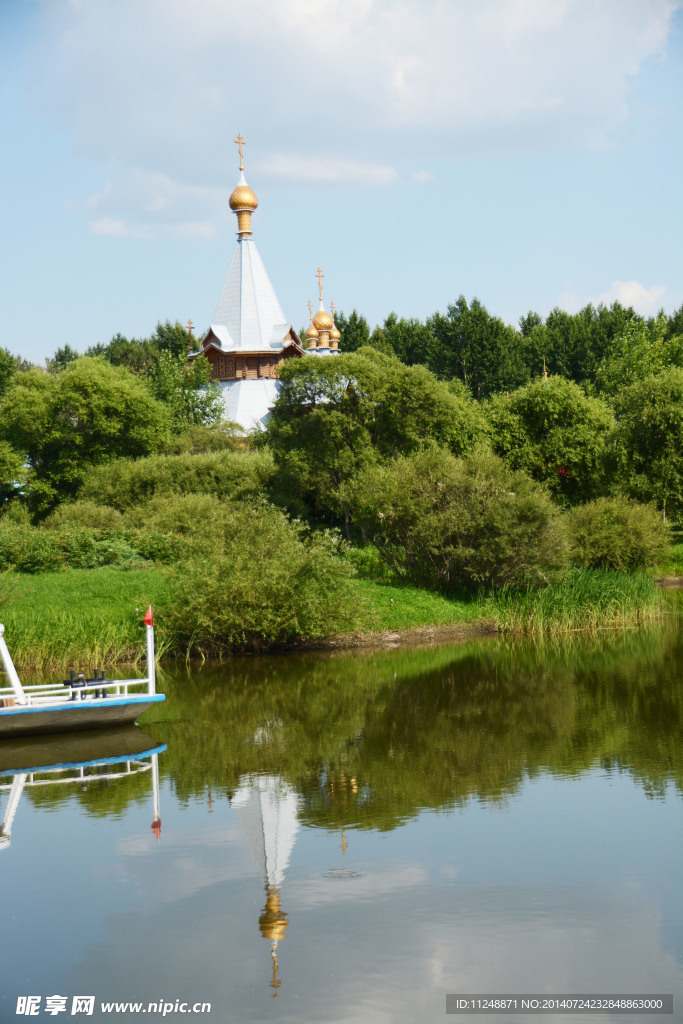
(83, 617)
(585, 599)
(88, 618)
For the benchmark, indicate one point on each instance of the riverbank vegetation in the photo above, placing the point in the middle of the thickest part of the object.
(428, 475)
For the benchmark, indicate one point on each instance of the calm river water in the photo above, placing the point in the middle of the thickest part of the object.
(350, 837)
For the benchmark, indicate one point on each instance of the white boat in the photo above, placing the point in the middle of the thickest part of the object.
(77, 703)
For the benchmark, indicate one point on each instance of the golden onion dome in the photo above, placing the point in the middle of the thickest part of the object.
(312, 332)
(242, 197)
(334, 332)
(322, 320)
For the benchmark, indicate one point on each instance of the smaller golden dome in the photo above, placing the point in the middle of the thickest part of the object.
(322, 320)
(334, 333)
(312, 332)
(243, 198)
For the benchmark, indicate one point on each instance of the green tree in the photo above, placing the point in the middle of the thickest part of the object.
(649, 440)
(354, 330)
(675, 322)
(640, 351)
(575, 343)
(133, 354)
(8, 367)
(479, 349)
(61, 425)
(172, 338)
(446, 523)
(62, 357)
(552, 431)
(411, 340)
(11, 473)
(188, 392)
(336, 415)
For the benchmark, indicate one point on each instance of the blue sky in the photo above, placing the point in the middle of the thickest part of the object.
(527, 152)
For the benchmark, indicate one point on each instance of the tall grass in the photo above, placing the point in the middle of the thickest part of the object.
(82, 618)
(584, 599)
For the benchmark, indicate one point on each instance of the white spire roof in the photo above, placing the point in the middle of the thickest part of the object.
(266, 808)
(248, 317)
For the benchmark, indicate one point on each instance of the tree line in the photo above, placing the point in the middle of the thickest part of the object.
(442, 443)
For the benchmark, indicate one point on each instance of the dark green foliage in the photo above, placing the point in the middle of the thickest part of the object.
(8, 367)
(476, 348)
(257, 579)
(552, 431)
(675, 323)
(446, 523)
(61, 359)
(128, 482)
(61, 425)
(574, 343)
(410, 340)
(649, 440)
(616, 533)
(354, 330)
(11, 472)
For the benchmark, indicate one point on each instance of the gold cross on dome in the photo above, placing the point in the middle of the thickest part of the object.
(240, 142)
(332, 310)
(310, 310)
(320, 277)
(189, 327)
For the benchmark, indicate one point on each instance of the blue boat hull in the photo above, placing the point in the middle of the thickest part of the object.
(71, 716)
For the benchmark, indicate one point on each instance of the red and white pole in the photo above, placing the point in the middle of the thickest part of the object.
(151, 666)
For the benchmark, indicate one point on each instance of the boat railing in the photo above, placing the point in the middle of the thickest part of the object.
(84, 773)
(80, 688)
(47, 693)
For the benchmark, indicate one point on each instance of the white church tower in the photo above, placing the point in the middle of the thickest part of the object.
(249, 337)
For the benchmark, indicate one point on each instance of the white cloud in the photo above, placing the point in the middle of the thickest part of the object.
(646, 301)
(334, 90)
(149, 206)
(314, 168)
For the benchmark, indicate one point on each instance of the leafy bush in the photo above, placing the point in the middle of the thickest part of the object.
(85, 513)
(28, 550)
(617, 533)
(226, 474)
(218, 437)
(445, 523)
(260, 579)
(31, 549)
(183, 514)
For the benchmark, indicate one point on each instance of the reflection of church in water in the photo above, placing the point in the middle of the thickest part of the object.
(249, 337)
(266, 808)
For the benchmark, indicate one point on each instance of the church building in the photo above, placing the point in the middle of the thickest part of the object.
(249, 337)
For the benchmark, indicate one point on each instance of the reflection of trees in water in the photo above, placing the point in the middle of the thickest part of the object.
(370, 738)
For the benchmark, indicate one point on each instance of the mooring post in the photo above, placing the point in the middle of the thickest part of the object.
(151, 667)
